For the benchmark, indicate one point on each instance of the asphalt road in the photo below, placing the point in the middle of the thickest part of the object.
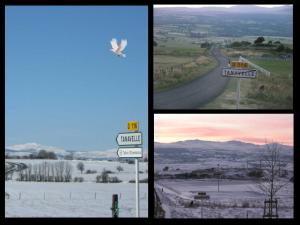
(197, 92)
(15, 167)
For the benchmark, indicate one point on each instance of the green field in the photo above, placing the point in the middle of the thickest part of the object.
(178, 60)
(273, 92)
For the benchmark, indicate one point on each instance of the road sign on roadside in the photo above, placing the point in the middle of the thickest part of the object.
(133, 126)
(239, 64)
(129, 138)
(130, 152)
(132, 140)
(240, 73)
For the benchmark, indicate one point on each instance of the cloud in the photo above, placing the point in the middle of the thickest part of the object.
(35, 146)
(221, 127)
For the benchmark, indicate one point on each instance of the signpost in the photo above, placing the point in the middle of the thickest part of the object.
(239, 70)
(133, 149)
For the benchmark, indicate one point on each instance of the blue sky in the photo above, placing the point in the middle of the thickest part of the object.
(63, 87)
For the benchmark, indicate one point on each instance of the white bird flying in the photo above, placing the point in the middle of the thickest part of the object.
(118, 49)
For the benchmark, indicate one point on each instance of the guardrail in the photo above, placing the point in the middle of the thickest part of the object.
(268, 73)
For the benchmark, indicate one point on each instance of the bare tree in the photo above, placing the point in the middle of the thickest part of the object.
(68, 172)
(29, 169)
(80, 166)
(271, 183)
(61, 169)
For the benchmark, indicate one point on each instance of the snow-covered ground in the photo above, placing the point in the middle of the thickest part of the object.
(86, 199)
(235, 199)
(180, 165)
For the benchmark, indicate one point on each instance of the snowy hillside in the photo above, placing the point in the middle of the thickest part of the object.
(34, 148)
(209, 152)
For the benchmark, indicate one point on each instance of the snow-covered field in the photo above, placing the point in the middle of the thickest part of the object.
(86, 199)
(235, 199)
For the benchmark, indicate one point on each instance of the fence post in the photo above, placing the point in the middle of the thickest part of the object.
(114, 207)
(95, 195)
(20, 196)
(44, 195)
(70, 195)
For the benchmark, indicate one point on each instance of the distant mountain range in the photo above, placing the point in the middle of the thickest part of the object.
(237, 21)
(195, 150)
(34, 148)
(286, 9)
(201, 144)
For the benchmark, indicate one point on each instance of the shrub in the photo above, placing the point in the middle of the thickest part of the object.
(141, 181)
(245, 204)
(103, 178)
(144, 180)
(98, 179)
(78, 179)
(114, 180)
(120, 168)
(91, 171)
(256, 173)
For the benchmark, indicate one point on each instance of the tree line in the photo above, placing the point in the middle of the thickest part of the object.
(260, 42)
(47, 172)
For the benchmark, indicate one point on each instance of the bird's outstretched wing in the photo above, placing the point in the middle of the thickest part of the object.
(122, 45)
(114, 44)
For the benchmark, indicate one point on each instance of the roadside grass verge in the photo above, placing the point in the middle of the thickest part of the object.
(273, 92)
(177, 65)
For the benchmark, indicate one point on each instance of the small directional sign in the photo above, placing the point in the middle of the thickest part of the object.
(240, 73)
(130, 152)
(133, 126)
(238, 64)
(129, 138)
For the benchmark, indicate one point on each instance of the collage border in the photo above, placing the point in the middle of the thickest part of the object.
(151, 113)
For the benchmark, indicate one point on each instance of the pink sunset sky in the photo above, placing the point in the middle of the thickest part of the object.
(252, 128)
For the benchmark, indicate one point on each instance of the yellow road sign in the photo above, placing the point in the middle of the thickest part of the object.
(238, 64)
(133, 125)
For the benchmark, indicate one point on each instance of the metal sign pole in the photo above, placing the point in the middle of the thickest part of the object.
(238, 93)
(137, 187)
(133, 139)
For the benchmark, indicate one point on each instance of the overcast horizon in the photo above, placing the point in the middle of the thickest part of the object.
(215, 5)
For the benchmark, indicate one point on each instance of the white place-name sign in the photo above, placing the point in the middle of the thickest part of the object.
(130, 152)
(129, 138)
(240, 73)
